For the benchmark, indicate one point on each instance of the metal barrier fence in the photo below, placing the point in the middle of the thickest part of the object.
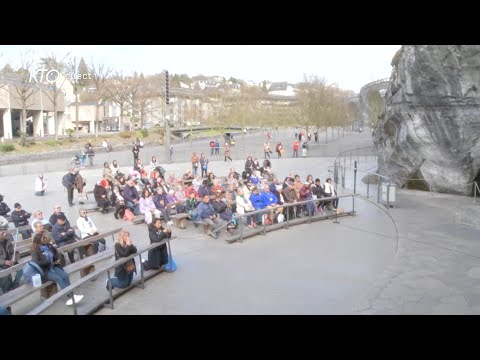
(69, 290)
(289, 222)
(384, 183)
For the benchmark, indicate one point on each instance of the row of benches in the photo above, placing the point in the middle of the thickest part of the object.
(85, 266)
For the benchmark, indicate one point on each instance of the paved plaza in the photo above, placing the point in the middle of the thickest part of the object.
(358, 266)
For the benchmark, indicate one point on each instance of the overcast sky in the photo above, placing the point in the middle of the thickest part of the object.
(349, 66)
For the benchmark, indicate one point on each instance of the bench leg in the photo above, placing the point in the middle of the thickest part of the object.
(181, 223)
(87, 270)
(48, 291)
(206, 228)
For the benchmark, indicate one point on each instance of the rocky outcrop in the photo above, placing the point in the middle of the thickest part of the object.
(431, 126)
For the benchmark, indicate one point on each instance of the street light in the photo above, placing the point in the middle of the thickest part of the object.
(167, 118)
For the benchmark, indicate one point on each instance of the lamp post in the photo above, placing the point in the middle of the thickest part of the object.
(167, 118)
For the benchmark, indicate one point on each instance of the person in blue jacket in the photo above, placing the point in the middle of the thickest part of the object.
(257, 201)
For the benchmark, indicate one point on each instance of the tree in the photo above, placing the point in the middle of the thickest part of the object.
(24, 89)
(54, 89)
(99, 75)
(120, 91)
(73, 67)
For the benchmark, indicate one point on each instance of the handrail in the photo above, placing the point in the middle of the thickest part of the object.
(287, 220)
(374, 83)
(69, 289)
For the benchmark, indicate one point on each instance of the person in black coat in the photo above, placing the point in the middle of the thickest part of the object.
(123, 248)
(158, 256)
(4, 209)
(101, 197)
(20, 218)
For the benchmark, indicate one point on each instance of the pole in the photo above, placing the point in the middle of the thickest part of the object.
(355, 177)
(167, 118)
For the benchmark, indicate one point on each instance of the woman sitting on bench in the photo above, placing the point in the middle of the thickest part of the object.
(48, 258)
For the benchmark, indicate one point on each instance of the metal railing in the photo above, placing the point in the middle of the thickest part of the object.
(69, 290)
(312, 216)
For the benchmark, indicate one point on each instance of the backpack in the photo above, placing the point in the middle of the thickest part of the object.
(128, 216)
(66, 180)
(30, 269)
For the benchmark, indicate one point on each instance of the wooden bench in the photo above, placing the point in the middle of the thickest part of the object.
(108, 267)
(85, 266)
(180, 220)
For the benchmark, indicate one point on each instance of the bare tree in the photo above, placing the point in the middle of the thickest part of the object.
(54, 89)
(120, 92)
(99, 75)
(72, 67)
(24, 88)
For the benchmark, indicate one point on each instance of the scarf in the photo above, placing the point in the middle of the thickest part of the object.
(48, 253)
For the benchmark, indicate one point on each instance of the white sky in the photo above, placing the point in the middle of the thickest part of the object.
(349, 66)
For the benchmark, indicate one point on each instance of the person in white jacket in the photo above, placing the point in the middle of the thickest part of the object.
(329, 190)
(244, 205)
(40, 184)
(88, 229)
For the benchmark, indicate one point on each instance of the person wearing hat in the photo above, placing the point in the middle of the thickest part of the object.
(20, 218)
(4, 209)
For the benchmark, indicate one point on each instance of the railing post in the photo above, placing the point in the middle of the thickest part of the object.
(379, 186)
(388, 196)
(240, 223)
(110, 290)
(355, 177)
(288, 216)
(368, 185)
(141, 271)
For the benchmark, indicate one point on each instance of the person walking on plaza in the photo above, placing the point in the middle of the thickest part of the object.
(279, 149)
(212, 147)
(217, 147)
(204, 164)
(266, 149)
(68, 181)
(296, 145)
(194, 164)
(227, 152)
(136, 152)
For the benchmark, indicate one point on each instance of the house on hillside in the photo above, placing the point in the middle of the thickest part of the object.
(281, 89)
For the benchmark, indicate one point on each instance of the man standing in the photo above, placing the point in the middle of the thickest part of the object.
(136, 152)
(194, 164)
(296, 145)
(217, 147)
(68, 181)
(212, 147)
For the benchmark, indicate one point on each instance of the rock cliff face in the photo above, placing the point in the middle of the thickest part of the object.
(431, 127)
